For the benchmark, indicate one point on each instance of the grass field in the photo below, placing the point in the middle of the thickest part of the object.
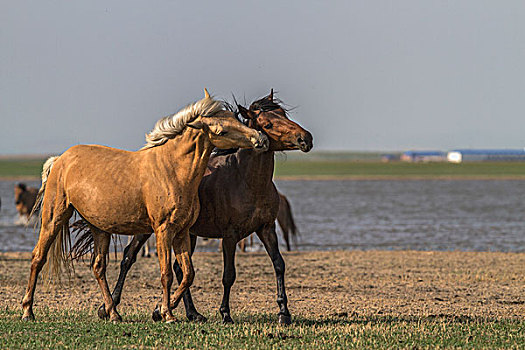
(80, 330)
(342, 299)
(333, 168)
(13, 167)
(363, 169)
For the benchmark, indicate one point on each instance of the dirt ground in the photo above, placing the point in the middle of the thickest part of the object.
(342, 283)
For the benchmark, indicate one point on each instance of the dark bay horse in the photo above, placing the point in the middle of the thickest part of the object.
(286, 223)
(237, 197)
(152, 190)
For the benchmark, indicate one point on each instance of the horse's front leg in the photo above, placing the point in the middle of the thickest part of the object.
(191, 312)
(164, 244)
(129, 258)
(229, 244)
(101, 247)
(268, 237)
(182, 249)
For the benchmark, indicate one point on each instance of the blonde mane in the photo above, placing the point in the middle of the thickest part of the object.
(172, 125)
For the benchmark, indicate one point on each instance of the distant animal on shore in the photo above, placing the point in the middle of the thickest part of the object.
(146, 249)
(285, 220)
(25, 199)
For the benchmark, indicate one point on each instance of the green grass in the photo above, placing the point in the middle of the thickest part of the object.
(343, 169)
(330, 167)
(80, 330)
(21, 167)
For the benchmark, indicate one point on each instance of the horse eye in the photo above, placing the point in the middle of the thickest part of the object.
(222, 133)
(268, 126)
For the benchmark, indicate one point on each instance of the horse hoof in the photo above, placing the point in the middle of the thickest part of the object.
(227, 319)
(28, 318)
(285, 319)
(156, 316)
(198, 318)
(115, 318)
(102, 314)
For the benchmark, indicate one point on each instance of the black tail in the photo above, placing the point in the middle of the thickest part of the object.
(84, 241)
(286, 221)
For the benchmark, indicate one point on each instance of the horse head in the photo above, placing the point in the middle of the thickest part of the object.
(269, 116)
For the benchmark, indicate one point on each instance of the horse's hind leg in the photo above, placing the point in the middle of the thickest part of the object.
(268, 237)
(146, 249)
(228, 276)
(191, 312)
(54, 213)
(101, 247)
(130, 256)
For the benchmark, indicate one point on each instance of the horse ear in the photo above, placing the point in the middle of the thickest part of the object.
(206, 93)
(270, 96)
(22, 186)
(196, 124)
(244, 112)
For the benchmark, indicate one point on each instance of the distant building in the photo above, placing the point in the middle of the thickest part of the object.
(486, 155)
(389, 158)
(424, 156)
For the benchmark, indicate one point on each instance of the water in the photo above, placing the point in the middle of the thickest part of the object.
(419, 215)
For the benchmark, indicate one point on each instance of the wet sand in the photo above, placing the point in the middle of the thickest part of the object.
(342, 283)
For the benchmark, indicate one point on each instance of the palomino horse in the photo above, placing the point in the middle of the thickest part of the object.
(286, 223)
(25, 199)
(237, 197)
(152, 190)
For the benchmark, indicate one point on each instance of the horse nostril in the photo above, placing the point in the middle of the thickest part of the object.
(305, 142)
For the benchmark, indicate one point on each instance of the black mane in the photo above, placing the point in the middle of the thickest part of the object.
(264, 104)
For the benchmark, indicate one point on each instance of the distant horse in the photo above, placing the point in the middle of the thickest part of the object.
(154, 189)
(285, 220)
(145, 251)
(25, 199)
(237, 197)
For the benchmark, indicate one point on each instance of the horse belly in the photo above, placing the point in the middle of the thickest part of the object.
(111, 211)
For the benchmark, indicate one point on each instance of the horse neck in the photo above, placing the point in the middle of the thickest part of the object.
(185, 156)
(257, 168)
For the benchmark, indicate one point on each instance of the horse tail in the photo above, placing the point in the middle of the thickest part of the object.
(46, 169)
(286, 220)
(84, 240)
(58, 256)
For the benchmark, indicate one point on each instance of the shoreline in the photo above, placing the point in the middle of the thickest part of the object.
(354, 178)
(397, 178)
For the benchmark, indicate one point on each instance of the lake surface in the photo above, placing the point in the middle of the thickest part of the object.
(420, 215)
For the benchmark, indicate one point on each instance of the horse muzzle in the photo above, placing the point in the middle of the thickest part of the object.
(305, 142)
(261, 143)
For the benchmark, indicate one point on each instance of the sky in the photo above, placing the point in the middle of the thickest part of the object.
(361, 75)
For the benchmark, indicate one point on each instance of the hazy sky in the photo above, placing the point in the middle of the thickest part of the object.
(364, 75)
